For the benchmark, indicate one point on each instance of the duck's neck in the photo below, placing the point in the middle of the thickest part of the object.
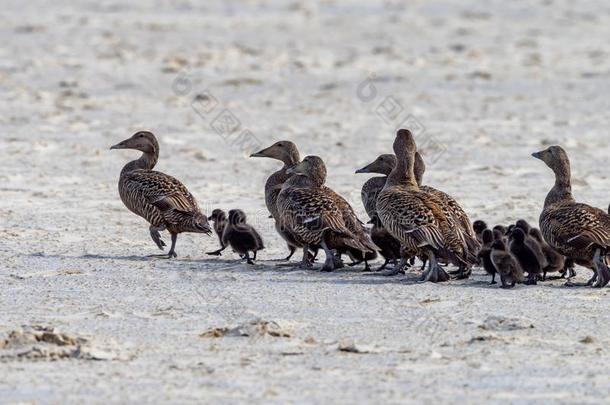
(403, 174)
(562, 190)
(147, 161)
(291, 160)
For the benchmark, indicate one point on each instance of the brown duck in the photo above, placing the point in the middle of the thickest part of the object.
(418, 219)
(578, 231)
(160, 199)
(315, 214)
(287, 153)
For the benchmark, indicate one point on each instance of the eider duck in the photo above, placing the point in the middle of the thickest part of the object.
(452, 208)
(485, 254)
(417, 218)
(578, 231)
(219, 219)
(388, 245)
(529, 254)
(504, 262)
(287, 153)
(160, 199)
(242, 237)
(317, 215)
(556, 261)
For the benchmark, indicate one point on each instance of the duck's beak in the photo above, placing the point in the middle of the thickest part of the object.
(260, 153)
(209, 218)
(365, 169)
(120, 145)
(537, 155)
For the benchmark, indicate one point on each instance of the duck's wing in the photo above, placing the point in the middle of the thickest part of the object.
(169, 196)
(315, 209)
(578, 225)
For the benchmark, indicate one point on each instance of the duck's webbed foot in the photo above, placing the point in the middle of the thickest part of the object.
(589, 283)
(249, 260)
(156, 237)
(435, 273)
(602, 271)
(216, 252)
(493, 279)
(384, 265)
(532, 279)
(463, 273)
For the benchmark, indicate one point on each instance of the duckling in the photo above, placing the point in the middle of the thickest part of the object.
(479, 226)
(487, 238)
(416, 218)
(287, 153)
(389, 246)
(524, 225)
(318, 215)
(499, 235)
(556, 261)
(577, 231)
(501, 228)
(509, 268)
(160, 199)
(528, 253)
(242, 237)
(219, 219)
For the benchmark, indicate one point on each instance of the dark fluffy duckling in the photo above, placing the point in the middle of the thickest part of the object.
(287, 153)
(389, 246)
(528, 253)
(556, 261)
(318, 215)
(160, 199)
(509, 268)
(242, 237)
(577, 231)
(479, 226)
(484, 255)
(417, 218)
(219, 219)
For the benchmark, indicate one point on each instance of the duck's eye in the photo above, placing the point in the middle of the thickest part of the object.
(280, 145)
(141, 135)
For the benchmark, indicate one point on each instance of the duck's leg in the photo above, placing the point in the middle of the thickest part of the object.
(156, 236)
(367, 268)
(254, 254)
(306, 261)
(435, 273)
(329, 263)
(603, 272)
(589, 283)
(292, 250)
(493, 279)
(172, 252)
(248, 258)
(217, 252)
(384, 265)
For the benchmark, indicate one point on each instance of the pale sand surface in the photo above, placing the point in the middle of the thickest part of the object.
(489, 83)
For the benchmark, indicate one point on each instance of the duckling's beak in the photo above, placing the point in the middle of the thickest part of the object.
(209, 218)
(537, 155)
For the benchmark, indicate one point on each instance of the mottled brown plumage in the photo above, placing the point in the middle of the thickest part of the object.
(578, 231)
(318, 215)
(417, 218)
(160, 199)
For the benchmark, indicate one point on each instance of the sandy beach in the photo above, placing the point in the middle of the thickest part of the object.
(86, 317)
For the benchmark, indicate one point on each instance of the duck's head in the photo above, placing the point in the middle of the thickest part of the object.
(237, 216)
(382, 165)
(217, 215)
(517, 235)
(144, 141)
(479, 226)
(419, 168)
(487, 236)
(498, 245)
(555, 157)
(284, 151)
(312, 167)
(524, 225)
(404, 143)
